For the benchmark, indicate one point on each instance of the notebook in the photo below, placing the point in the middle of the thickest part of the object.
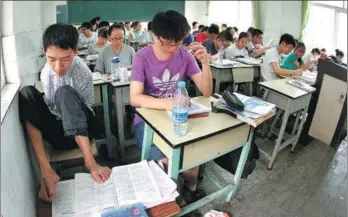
(196, 108)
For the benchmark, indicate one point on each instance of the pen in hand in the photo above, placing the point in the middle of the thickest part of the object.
(46, 188)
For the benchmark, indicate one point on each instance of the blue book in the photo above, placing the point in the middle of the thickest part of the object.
(135, 210)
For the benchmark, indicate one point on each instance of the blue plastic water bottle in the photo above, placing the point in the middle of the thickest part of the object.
(180, 110)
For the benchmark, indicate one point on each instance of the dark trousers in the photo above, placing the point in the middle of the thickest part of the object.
(76, 117)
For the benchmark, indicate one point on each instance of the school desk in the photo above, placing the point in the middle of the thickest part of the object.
(164, 210)
(288, 99)
(109, 140)
(207, 138)
(238, 73)
(121, 92)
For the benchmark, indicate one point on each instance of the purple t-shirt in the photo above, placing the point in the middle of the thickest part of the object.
(160, 77)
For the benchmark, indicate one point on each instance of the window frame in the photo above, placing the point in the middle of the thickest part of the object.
(3, 74)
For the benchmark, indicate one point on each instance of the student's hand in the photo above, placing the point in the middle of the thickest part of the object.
(298, 72)
(200, 52)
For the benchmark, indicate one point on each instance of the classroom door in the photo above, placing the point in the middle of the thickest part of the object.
(62, 14)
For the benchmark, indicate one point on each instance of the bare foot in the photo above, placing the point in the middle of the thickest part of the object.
(51, 179)
(100, 174)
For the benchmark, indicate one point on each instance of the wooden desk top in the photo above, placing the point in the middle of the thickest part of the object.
(198, 128)
(280, 86)
(164, 210)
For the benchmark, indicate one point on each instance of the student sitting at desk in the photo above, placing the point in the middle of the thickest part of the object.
(102, 42)
(103, 24)
(94, 23)
(133, 37)
(158, 68)
(147, 37)
(213, 31)
(66, 121)
(203, 35)
(223, 40)
(238, 50)
(294, 61)
(339, 57)
(87, 37)
(255, 45)
(270, 66)
(313, 55)
(115, 49)
(223, 27)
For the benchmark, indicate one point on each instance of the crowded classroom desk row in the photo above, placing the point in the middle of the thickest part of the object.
(223, 133)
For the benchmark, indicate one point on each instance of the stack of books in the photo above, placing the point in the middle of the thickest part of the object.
(142, 183)
(255, 112)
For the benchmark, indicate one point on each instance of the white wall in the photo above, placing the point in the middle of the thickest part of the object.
(196, 11)
(23, 22)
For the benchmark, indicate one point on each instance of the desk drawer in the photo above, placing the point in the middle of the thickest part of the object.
(241, 75)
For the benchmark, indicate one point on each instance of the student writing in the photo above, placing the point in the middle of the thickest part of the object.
(158, 68)
(87, 37)
(255, 45)
(66, 121)
(238, 50)
(223, 40)
(294, 61)
(102, 42)
(270, 67)
(116, 48)
(147, 37)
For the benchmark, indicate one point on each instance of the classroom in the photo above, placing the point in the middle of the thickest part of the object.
(173, 108)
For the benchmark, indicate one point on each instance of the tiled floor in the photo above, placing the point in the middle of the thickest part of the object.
(312, 182)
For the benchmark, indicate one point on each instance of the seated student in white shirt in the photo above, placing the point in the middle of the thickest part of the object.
(147, 37)
(270, 67)
(238, 49)
(102, 42)
(116, 48)
(87, 37)
(255, 47)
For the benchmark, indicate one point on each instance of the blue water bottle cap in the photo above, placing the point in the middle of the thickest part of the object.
(182, 84)
(115, 60)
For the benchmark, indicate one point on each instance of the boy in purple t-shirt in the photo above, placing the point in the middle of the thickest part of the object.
(157, 69)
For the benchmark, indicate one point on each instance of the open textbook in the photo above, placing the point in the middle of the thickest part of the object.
(196, 108)
(143, 182)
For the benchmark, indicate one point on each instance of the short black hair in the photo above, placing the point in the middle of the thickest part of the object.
(103, 32)
(225, 36)
(339, 53)
(213, 29)
(134, 24)
(288, 39)
(235, 29)
(315, 50)
(94, 20)
(194, 23)
(86, 25)
(300, 45)
(228, 29)
(200, 26)
(205, 29)
(323, 50)
(149, 26)
(224, 25)
(251, 29)
(170, 25)
(127, 22)
(116, 26)
(243, 35)
(64, 36)
(257, 32)
(103, 23)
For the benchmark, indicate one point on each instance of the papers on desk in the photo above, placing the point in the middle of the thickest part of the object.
(301, 85)
(82, 52)
(264, 109)
(92, 57)
(196, 108)
(308, 77)
(143, 182)
(96, 76)
(249, 61)
(225, 63)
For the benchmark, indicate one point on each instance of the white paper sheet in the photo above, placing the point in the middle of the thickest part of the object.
(63, 204)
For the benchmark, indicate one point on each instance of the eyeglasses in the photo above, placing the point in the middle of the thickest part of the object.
(116, 39)
(172, 45)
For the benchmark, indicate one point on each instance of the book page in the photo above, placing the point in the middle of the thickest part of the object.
(165, 184)
(84, 193)
(63, 204)
(134, 183)
(105, 195)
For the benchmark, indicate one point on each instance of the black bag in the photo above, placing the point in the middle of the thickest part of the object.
(230, 160)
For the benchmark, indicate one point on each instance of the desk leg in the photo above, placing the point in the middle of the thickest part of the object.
(108, 133)
(147, 142)
(265, 124)
(217, 82)
(174, 163)
(274, 122)
(281, 133)
(120, 124)
(298, 134)
(241, 163)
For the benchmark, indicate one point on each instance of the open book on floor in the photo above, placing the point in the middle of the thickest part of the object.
(143, 182)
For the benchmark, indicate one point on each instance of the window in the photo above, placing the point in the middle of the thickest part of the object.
(233, 13)
(327, 26)
(3, 79)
